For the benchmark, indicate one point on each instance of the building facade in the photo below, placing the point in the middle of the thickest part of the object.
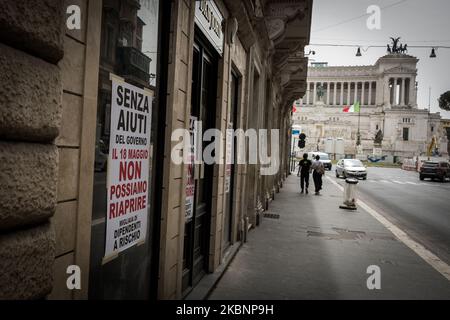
(229, 64)
(387, 95)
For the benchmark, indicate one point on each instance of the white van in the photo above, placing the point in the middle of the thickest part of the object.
(324, 158)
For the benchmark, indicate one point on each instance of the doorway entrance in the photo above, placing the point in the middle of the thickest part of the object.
(203, 107)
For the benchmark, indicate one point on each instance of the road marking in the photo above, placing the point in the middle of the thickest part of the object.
(385, 181)
(399, 182)
(420, 250)
(429, 184)
(413, 183)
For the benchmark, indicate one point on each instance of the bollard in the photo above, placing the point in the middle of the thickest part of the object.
(349, 194)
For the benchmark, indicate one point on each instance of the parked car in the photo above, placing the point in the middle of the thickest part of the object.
(435, 170)
(351, 168)
(324, 158)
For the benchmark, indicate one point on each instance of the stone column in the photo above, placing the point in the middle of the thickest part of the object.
(362, 92)
(370, 93)
(395, 92)
(348, 92)
(387, 93)
(335, 93)
(402, 92)
(356, 92)
(307, 92)
(315, 92)
(342, 93)
(412, 92)
(328, 92)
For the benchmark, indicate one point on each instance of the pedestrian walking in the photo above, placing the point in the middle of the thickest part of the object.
(304, 168)
(318, 172)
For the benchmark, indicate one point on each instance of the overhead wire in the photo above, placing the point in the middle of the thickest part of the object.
(358, 17)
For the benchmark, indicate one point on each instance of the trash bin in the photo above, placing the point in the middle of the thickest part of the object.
(349, 194)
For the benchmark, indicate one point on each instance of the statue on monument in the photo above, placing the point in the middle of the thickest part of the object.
(396, 46)
(378, 138)
(320, 92)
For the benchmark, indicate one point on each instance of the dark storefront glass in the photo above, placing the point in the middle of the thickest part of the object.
(129, 49)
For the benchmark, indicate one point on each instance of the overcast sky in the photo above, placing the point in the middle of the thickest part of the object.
(417, 22)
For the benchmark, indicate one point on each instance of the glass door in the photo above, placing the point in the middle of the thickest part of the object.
(203, 104)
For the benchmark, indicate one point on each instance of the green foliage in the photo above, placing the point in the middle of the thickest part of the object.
(444, 101)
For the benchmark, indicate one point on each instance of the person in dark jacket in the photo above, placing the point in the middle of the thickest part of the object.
(304, 169)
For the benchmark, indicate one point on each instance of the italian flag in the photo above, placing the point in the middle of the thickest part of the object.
(353, 108)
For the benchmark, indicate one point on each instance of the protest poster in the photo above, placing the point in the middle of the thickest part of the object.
(128, 167)
(190, 184)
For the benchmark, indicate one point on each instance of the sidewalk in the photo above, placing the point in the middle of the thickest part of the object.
(317, 251)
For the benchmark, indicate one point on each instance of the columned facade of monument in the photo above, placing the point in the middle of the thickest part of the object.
(387, 95)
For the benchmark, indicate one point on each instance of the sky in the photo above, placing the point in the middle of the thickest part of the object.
(417, 22)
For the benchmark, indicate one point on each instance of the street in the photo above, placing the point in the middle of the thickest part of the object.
(420, 208)
(314, 250)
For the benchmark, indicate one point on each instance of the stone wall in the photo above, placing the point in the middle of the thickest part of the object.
(48, 99)
(76, 146)
(31, 45)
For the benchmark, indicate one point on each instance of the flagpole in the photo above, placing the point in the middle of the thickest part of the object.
(358, 136)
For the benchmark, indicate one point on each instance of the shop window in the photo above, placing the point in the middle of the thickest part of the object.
(128, 49)
(107, 49)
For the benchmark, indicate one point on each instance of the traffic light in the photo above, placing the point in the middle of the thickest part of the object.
(301, 141)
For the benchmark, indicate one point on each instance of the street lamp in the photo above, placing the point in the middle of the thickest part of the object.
(358, 138)
(433, 53)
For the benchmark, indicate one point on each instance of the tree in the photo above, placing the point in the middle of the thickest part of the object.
(444, 101)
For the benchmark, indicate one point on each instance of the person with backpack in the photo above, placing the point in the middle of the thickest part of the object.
(318, 172)
(304, 168)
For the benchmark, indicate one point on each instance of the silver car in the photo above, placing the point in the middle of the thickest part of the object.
(351, 168)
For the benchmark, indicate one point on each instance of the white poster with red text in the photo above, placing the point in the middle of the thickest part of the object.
(190, 183)
(128, 167)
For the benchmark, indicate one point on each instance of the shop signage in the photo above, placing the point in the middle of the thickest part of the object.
(128, 167)
(209, 19)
